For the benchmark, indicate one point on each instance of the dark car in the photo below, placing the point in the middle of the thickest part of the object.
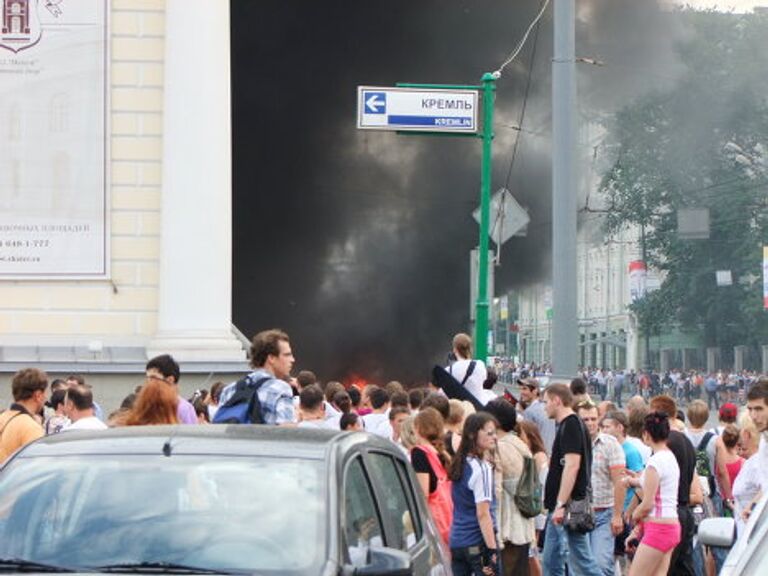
(215, 499)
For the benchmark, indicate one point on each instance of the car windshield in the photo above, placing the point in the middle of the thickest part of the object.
(230, 514)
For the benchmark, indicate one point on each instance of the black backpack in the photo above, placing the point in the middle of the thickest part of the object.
(243, 407)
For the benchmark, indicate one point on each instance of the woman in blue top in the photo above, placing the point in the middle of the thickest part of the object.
(473, 537)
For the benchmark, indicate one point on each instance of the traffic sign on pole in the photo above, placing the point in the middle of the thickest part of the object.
(507, 216)
(443, 108)
(417, 109)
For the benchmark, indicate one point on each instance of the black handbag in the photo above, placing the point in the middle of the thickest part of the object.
(580, 514)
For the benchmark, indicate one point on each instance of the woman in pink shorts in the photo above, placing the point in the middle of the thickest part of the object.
(656, 523)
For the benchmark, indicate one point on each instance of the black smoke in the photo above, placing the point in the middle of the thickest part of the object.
(357, 243)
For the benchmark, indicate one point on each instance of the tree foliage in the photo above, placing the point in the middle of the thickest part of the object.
(702, 143)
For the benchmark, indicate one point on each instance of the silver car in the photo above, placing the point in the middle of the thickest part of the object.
(747, 556)
(222, 499)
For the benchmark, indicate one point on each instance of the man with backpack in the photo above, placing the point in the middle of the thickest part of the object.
(263, 396)
(518, 490)
(608, 489)
(703, 440)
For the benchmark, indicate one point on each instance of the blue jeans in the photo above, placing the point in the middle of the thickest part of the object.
(601, 541)
(617, 390)
(718, 553)
(561, 546)
(698, 558)
(712, 398)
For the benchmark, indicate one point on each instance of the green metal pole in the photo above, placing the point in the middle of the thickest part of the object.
(481, 305)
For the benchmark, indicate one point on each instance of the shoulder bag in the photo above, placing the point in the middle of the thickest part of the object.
(580, 514)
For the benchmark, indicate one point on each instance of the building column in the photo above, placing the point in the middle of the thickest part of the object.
(712, 359)
(633, 344)
(664, 360)
(765, 359)
(686, 358)
(738, 358)
(195, 311)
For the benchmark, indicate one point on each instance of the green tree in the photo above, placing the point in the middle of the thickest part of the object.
(703, 143)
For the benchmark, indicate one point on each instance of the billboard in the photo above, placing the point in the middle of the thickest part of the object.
(53, 139)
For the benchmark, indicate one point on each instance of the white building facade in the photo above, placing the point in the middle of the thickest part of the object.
(607, 332)
(165, 282)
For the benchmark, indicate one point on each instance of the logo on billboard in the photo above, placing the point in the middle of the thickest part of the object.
(20, 24)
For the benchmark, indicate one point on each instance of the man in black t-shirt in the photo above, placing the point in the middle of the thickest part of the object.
(568, 479)
(685, 454)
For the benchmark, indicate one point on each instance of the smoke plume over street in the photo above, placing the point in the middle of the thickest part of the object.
(357, 242)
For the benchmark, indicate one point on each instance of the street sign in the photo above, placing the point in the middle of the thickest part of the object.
(723, 278)
(508, 218)
(423, 110)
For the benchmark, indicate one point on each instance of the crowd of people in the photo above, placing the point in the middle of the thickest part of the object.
(528, 481)
(717, 387)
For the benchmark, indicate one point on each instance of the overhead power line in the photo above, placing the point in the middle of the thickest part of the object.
(523, 40)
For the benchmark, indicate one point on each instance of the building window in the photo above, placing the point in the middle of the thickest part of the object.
(14, 123)
(61, 171)
(58, 113)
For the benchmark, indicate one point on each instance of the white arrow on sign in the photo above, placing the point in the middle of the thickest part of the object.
(373, 103)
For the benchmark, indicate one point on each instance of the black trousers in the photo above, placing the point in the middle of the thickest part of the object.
(682, 557)
(514, 559)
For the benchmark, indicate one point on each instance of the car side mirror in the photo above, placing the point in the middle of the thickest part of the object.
(720, 532)
(384, 562)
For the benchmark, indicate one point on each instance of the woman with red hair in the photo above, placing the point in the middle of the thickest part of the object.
(156, 403)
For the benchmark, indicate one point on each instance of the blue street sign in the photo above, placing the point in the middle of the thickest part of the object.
(426, 110)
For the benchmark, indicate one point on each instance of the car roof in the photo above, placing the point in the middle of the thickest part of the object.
(230, 440)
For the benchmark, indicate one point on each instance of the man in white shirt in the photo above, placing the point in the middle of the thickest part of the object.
(757, 405)
(311, 413)
(78, 406)
(378, 420)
